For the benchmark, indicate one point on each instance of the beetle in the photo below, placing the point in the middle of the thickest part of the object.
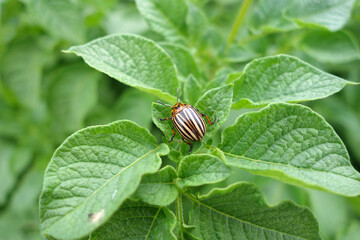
(188, 121)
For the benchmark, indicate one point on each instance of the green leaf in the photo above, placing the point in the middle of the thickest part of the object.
(286, 15)
(232, 77)
(134, 61)
(137, 220)
(276, 191)
(13, 161)
(20, 219)
(220, 79)
(189, 236)
(213, 41)
(10, 123)
(27, 193)
(293, 144)
(216, 102)
(134, 105)
(330, 14)
(61, 18)
(160, 111)
(237, 53)
(192, 90)
(184, 148)
(159, 188)
(174, 156)
(92, 173)
(184, 61)
(283, 78)
(120, 12)
(166, 17)
(196, 21)
(340, 113)
(19, 225)
(200, 169)
(268, 17)
(241, 211)
(21, 72)
(72, 94)
(331, 47)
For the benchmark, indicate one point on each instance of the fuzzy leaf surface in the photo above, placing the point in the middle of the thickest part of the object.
(240, 212)
(92, 173)
(134, 61)
(283, 78)
(137, 220)
(159, 188)
(200, 169)
(291, 143)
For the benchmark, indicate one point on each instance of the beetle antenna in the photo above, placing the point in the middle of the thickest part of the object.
(167, 105)
(177, 90)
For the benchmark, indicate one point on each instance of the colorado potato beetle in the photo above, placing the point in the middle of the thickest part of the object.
(188, 121)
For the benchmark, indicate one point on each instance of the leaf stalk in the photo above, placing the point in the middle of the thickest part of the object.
(238, 21)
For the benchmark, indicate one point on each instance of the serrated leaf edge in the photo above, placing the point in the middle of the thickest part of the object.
(166, 151)
(148, 89)
(251, 104)
(257, 160)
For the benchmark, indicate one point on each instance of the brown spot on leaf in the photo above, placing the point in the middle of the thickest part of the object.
(96, 217)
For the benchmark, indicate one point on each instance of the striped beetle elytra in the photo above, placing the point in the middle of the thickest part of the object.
(188, 121)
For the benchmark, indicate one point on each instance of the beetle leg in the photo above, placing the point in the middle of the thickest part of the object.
(163, 119)
(173, 133)
(190, 144)
(208, 119)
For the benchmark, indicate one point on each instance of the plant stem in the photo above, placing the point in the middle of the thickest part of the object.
(179, 214)
(238, 21)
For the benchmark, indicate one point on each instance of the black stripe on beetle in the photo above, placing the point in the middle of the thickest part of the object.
(188, 121)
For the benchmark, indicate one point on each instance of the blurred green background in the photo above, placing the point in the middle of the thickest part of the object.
(46, 95)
